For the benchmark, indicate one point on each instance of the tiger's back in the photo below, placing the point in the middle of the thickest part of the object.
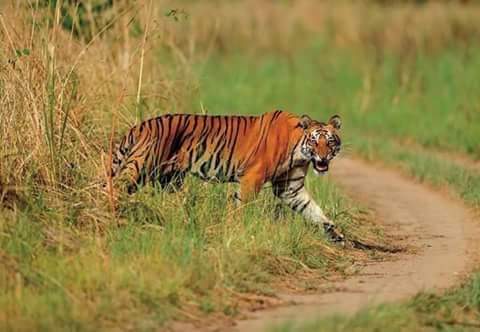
(211, 147)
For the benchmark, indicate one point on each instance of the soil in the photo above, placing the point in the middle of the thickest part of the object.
(441, 228)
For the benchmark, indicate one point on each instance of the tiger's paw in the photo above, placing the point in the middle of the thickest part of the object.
(333, 234)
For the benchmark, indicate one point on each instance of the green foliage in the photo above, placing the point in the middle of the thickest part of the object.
(431, 100)
(168, 250)
(67, 264)
(83, 18)
(398, 111)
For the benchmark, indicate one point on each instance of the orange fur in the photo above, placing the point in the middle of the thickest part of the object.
(254, 145)
(276, 147)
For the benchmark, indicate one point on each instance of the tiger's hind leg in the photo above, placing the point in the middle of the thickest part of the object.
(235, 199)
(250, 185)
(133, 173)
(172, 182)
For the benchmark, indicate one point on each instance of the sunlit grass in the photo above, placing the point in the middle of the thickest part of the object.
(168, 250)
(429, 101)
(70, 262)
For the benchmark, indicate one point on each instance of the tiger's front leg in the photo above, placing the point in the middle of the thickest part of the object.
(293, 194)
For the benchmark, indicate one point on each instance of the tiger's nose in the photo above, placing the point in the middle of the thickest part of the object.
(324, 162)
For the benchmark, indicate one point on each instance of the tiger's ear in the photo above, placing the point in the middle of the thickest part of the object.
(335, 121)
(305, 121)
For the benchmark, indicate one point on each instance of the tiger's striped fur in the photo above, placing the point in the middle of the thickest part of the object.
(276, 147)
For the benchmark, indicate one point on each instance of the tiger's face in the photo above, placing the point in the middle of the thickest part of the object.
(321, 143)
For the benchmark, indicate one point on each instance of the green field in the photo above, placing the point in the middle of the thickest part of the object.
(418, 125)
(68, 262)
(431, 101)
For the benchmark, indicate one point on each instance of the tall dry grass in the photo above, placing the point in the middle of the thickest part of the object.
(282, 27)
(61, 93)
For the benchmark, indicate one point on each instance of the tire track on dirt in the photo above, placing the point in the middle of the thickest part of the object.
(442, 229)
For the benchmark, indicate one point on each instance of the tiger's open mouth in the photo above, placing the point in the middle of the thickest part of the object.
(321, 166)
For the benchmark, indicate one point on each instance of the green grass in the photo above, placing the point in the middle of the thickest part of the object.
(187, 251)
(68, 264)
(456, 310)
(431, 101)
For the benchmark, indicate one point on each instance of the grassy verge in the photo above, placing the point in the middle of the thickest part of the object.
(455, 311)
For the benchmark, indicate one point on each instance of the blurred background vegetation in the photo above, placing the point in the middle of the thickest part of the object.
(76, 74)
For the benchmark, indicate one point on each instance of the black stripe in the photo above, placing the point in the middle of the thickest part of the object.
(205, 168)
(202, 141)
(275, 116)
(160, 136)
(248, 123)
(149, 125)
(304, 207)
(233, 146)
(296, 204)
(243, 121)
(296, 190)
(177, 135)
(285, 192)
(189, 135)
(263, 132)
(160, 143)
(296, 179)
(290, 164)
(168, 119)
(276, 169)
(213, 136)
(218, 154)
(131, 135)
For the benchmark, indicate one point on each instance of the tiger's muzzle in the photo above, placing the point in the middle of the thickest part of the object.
(320, 166)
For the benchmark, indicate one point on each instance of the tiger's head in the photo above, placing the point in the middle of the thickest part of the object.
(321, 142)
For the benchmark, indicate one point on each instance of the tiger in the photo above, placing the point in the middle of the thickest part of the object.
(276, 147)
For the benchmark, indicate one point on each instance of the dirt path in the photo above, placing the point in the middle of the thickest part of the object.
(442, 229)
